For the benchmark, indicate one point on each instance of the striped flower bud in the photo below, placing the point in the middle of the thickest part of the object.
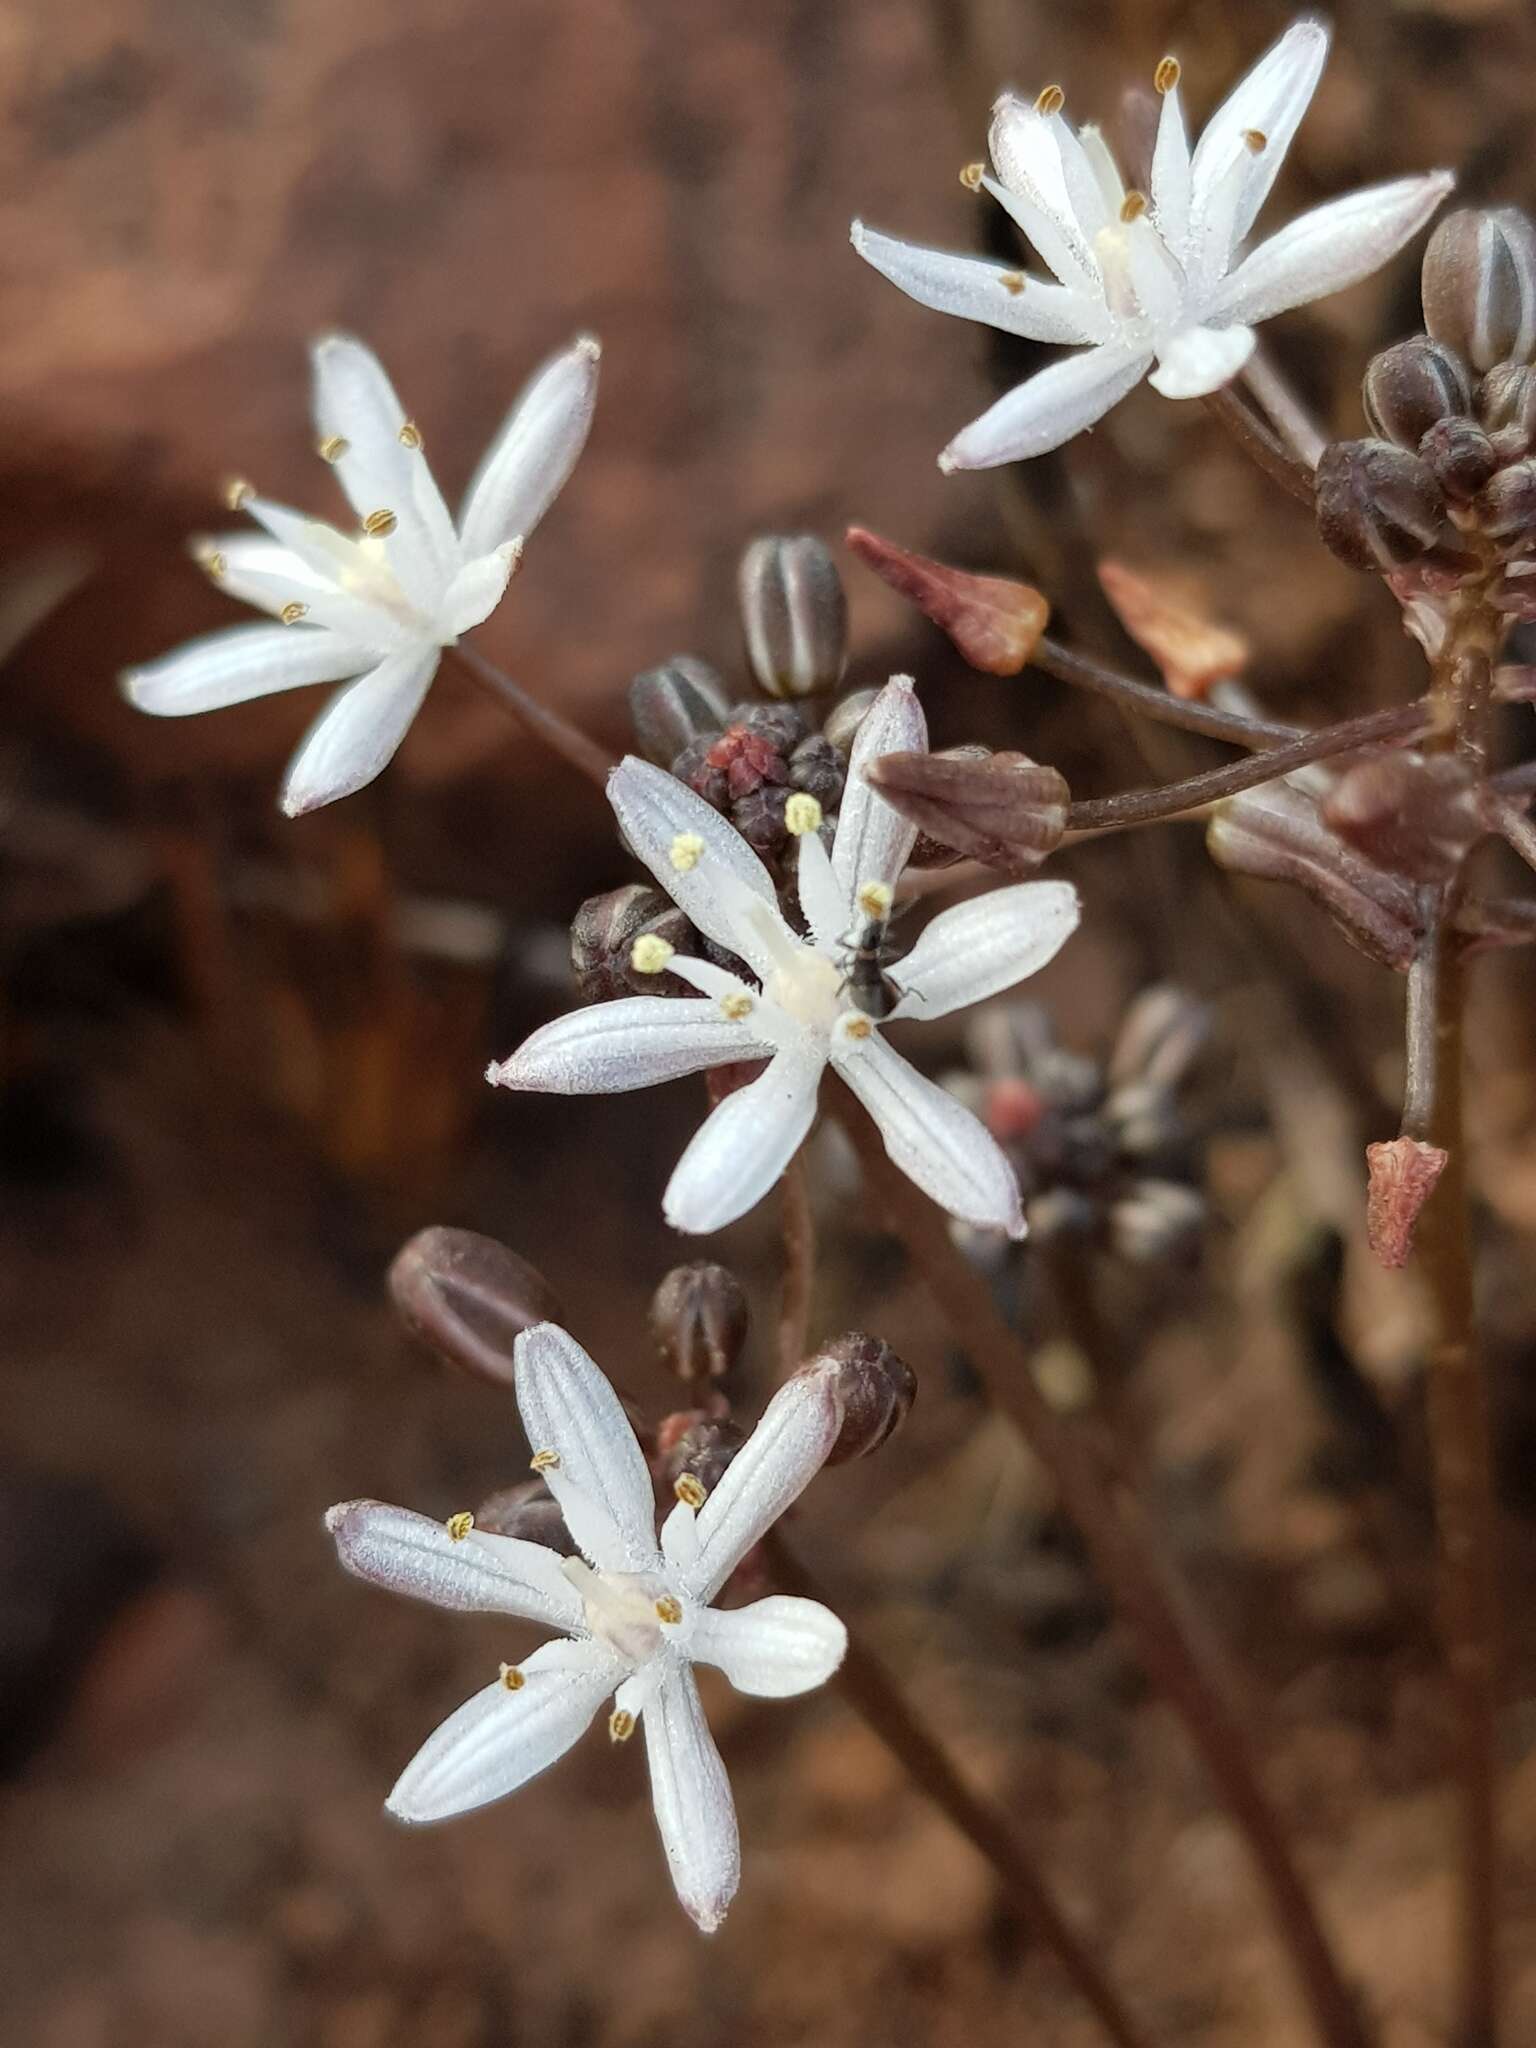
(1479, 284)
(603, 936)
(1507, 507)
(698, 1320)
(674, 703)
(1461, 456)
(469, 1298)
(794, 614)
(1506, 402)
(877, 1390)
(1378, 507)
(1002, 809)
(1410, 386)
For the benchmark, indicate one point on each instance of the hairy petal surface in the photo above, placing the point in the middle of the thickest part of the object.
(476, 1574)
(599, 1477)
(978, 290)
(774, 1648)
(1330, 247)
(692, 1799)
(357, 735)
(1269, 101)
(632, 1043)
(1202, 359)
(238, 663)
(744, 1144)
(535, 451)
(985, 945)
(1048, 408)
(654, 810)
(873, 838)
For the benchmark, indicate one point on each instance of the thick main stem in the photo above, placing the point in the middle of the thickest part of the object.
(556, 732)
(874, 1694)
(1181, 1658)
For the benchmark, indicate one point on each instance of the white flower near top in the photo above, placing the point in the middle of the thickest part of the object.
(379, 605)
(801, 1016)
(634, 1612)
(1155, 278)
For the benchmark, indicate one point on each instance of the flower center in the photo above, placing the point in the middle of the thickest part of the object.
(809, 988)
(625, 1610)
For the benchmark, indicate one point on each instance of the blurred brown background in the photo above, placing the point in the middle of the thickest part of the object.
(240, 1059)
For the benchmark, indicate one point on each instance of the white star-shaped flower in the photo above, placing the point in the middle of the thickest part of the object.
(801, 1016)
(382, 604)
(1149, 278)
(634, 1612)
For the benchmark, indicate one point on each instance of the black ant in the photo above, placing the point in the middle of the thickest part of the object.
(872, 989)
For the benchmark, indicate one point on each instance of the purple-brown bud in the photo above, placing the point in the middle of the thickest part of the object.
(1506, 509)
(603, 936)
(1378, 507)
(994, 623)
(877, 1390)
(1275, 834)
(1506, 402)
(1461, 456)
(698, 1320)
(1005, 810)
(1411, 386)
(1417, 814)
(468, 1299)
(1479, 284)
(841, 724)
(530, 1512)
(673, 704)
(697, 1446)
(794, 614)
(1192, 651)
(1403, 1173)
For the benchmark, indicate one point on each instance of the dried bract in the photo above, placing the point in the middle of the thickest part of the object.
(1417, 814)
(469, 1298)
(794, 614)
(1479, 285)
(994, 623)
(699, 1318)
(876, 1387)
(1403, 1173)
(1002, 809)
(1192, 651)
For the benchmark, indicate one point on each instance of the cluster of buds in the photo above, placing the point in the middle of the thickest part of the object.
(1102, 1149)
(1444, 489)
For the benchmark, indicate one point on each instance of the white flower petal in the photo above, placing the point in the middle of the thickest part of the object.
(478, 588)
(692, 1798)
(744, 1144)
(501, 1737)
(873, 839)
(771, 1470)
(357, 735)
(273, 574)
(1171, 171)
(601, 1479)
(632, 1043)
(1082, 177)
(654, 810)
(1201, 359)
(931, 1137)
(1034, 190)
(985, 945)
(534, 451)
(239, 663)
(477, 1574)
(1047, 409)
(763, 1025)
(823, 904)
(1269, 101)
(989, 292)
(1330, 247)
(774, 1648)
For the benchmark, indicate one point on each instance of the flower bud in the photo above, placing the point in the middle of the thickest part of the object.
(877, 1390)
(794, 613)
(1275, 834)
(1415, 813)
(1507, 507)
(1378, 507)
(1506, 401)
(1479, 285)
(995, 623)
(1412, 385)
(1402, 1179)
(698, 1320)
(603, 936)
(1461, 457)
(1192, 651)
(842, 722)
(468, 1299)
(1005, 809)
(530, 1512)
(673, 704)
(818, 768)
(695, 1446)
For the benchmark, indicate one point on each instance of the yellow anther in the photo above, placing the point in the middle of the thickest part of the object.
(544, 1461)
(513, 1679)
(690, 1492)
(685, 852)
(214, 563)
(874, 899)
(1051, 101)
(409, 435)
(621, 1725)
(381, 524)
(737, 1005)
(1012, 282)
(1256, 139)
(293, 611)
(332, 448)
(650, 954)
(971, 176)
(1133, 206)
(802, 814)
(459, 1526)
(238, 493)
(669, 1609)
(1166, 76)
(857, 1027)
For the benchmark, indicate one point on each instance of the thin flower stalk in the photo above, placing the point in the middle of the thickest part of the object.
(798, 1226)
(557, 733)
(1265, 448)
(1084, 672)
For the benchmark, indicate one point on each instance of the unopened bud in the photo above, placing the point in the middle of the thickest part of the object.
(1378, 507)
(1506, 401)
(674, 703)
(877, 1390)
(604, 934)
(1479, 285)
(699, 1320)
(530, 1512)
(693, 1451)
(817, 767)
(1507, 507)
(1417, 814)
(1275, 834)
(1515, 593)
(1005, 810)
(842, 722)
(1192, 651)
(1403, 1173)
(994, 623)
(1461, 457)
(469, 1299)
(1411, 385)
(794, 614)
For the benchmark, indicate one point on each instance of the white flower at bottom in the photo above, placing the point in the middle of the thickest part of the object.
(1149, 278)
(634, 1611)
(382, 605)
(802, 1016)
